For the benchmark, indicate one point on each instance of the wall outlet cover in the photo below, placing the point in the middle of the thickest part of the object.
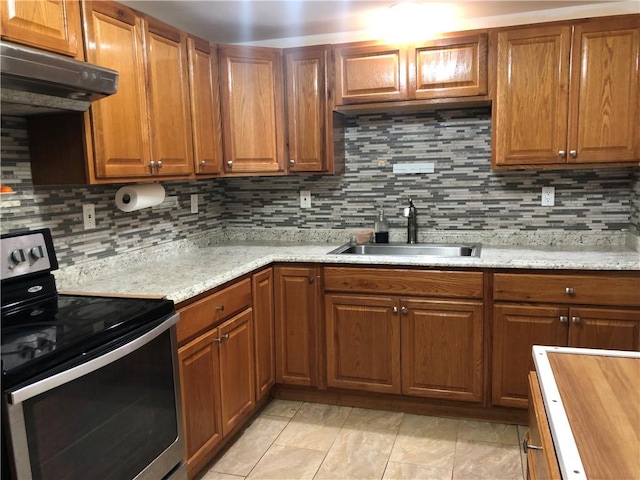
(194, 203)
(305, 199)
(548, 196)
(89, 216)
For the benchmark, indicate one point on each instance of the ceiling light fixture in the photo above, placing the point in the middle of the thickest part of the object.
(413, 21)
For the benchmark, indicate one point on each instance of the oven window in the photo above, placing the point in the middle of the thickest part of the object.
(109, 424)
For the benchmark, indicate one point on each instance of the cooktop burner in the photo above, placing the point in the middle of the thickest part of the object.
(42, 335)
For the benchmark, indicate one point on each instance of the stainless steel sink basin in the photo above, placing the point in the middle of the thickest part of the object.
(437, 250)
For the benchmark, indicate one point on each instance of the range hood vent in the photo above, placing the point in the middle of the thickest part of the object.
(34, 82)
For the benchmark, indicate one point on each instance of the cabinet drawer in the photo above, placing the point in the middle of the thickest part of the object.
(213, 309)
(404, 282)
(615, 290)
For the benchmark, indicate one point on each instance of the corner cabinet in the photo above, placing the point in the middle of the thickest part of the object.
(53, 26)
(454, 67)
(314, 131)
(252, 110)
(575, 310)
(297, 318)
(583, 107)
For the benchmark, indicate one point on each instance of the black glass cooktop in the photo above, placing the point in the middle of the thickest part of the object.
(45, 334)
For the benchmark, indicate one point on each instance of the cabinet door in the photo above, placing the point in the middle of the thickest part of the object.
(46, 24)
(200, 390)
(264, 340)
(604, 328)
(442, 349)
(307, 112)
(237, 378)
(120, 121)
(370, 73)
(449, 67)
(542, 462)
(530, 110)
(516, 328)
(252, 109)
(297, 305)
(363, 343)
(604, 114)
(168, 91)
(205, 107)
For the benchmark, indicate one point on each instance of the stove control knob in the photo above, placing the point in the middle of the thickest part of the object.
(37, 252)
(18, 256)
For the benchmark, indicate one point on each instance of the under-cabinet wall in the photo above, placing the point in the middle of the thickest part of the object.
(463, 194)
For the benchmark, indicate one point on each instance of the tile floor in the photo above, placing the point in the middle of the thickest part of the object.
(296, 440)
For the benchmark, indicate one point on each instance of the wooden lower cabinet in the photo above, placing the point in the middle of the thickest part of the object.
(541, 457)
(363, 343)
(264, 335)
(442, 349)
(297, 303)
(217, 386)
(519, 323)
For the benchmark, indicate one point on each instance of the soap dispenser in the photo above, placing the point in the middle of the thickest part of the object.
(381, 228)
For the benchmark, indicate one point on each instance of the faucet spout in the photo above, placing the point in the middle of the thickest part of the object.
(411, 214)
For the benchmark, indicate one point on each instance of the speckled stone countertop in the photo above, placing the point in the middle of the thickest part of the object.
(183, 274)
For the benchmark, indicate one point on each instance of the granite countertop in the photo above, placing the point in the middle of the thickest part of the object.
(183, 274)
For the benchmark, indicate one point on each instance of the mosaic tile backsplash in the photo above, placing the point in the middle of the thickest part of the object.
(463, 194)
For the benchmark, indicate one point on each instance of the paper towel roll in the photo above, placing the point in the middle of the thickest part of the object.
(135, 197)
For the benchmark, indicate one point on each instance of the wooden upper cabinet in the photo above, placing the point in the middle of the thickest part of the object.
(114, 39)
(205, 107)
(252, 109)
(47, 24)
(169, 104)
(604, 113)
(449, 67)
(568, 95)
(370, 73)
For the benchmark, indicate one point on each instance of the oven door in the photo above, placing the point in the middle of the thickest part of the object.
(117, 415)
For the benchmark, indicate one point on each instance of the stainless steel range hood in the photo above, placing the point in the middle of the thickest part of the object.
(33, 82)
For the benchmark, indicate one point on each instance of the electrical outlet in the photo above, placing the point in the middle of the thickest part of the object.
(194, 203)
(305, 199)
(89, 216)
(548, 196)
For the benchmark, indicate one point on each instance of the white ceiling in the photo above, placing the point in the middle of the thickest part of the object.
(268, 22)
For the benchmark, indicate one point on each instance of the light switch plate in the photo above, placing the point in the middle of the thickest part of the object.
(194, 203)
(89, 216)
(305, 199)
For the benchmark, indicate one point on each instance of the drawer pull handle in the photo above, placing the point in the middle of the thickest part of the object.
(404, 310)
(292, 162)
(526, 447)
(564, 319)
(575, 319)
(220, 308)
(230, 163)
(573, 153)
(222, 338)
(569, 290)
(562, 153)
(394, 310)
(311, 278)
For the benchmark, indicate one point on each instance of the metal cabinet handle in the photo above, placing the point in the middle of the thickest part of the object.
(311, 278)
(394, 309)
(292, 162)
(564, 319)
(573, 153)
(575, 319)
(569, 291)
(202, 164)
(230, 163)
(152, 165)
(222, 338)
(404, 310)
(526, 447)
(562, 153)
(220, 308)
(159, 164)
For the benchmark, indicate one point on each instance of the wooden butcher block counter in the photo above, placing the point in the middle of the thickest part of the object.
(584, 414)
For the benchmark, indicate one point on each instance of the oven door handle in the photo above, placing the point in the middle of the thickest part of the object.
(46, 384)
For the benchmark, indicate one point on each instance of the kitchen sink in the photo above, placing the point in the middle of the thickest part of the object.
(430, 249)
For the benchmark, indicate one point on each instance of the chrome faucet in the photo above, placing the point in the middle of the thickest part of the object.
(410, 213)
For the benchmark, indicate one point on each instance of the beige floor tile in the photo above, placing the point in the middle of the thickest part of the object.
(374, 419)
(218, 476)
(429, 441)
(315, 426)
(282, 408)
(357, 453)
(245, 453)
(287, 463)
(488, 432)
(410, 471)
(477, 460)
